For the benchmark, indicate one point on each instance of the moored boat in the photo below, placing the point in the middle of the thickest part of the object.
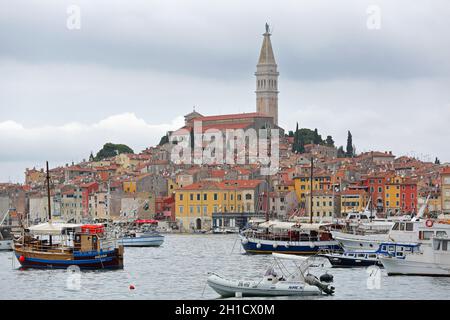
(141, 233)
(288, 237)
(296, 283)
(418, 259)
(60, 245)
(352, 259)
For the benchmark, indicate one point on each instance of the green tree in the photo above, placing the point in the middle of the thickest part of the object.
(329, 141)
(437, 161)
(341, 152)
(295, 144)
(349, 152)
(110, 150)
(91, 157)
(317, 139)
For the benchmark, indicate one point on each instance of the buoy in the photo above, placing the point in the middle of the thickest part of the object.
(275, 245)
(238, 294)
(286, 246)
(132, 287)
(244, 241)
(21, 258)
(429, 223)
(258, 245)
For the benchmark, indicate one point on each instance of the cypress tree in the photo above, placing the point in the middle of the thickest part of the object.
(349, 153)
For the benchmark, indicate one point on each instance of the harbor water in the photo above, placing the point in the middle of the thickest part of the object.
(178, 270)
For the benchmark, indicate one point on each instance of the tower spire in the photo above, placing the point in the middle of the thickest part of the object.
(267, 79)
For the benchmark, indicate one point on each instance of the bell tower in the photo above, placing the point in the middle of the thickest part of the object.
(267, 80)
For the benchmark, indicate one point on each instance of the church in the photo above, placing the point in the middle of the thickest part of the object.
(266, 115)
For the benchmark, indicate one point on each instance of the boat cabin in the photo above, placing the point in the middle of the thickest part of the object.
(398, 250)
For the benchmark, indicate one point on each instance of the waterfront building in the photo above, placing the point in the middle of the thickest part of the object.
(400, 195)
(326, 205)
(353, 200)
(196, 204)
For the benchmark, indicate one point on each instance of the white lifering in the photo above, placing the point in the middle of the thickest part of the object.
(275, 245)
(429, 223)
(258, 245)
(244, 241)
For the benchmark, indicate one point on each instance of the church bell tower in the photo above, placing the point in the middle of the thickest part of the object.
(267, 80)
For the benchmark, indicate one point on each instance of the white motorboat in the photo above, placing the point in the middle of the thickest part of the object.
(142, 240)
(423, 260)
(297, 283)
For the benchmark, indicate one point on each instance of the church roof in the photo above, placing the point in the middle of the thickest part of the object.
(266, 55)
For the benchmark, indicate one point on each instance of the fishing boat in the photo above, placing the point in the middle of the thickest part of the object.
(60, 245)
(288, 237)
(142, 233)
(297, 283)
(418, 259)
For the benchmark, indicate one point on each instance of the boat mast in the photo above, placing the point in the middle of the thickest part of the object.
(48, 196)
(311, 191)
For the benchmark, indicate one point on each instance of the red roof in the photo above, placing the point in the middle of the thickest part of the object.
(232, 116)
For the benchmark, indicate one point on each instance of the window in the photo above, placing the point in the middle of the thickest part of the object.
(198, 196)
(380, 190)
(409, 226)
(231, 197)
(180, 209)
(224, 196)
(181, 197)
(427, 235)
(444, 245)
(191, 197)
(205, 196)
(239, 197)
(215, 196)
(191, 209)
(205, 210)
(198, 209)
(248, 196)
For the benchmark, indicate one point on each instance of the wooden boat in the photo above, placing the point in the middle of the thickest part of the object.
(60, 245)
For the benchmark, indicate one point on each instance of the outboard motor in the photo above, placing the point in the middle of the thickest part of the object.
(313, 281)
(327, 278)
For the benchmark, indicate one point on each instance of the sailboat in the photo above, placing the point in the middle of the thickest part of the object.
(60, 245)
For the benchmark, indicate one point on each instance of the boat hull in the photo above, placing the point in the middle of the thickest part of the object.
(344, 262)
(229, 288)
(258, 246)
(358, 242)
(407, 267)
(112, 259)
(151, 241)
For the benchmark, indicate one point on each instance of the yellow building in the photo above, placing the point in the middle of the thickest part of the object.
(129, 186)
(445, 195)
(195, 204)
(302, 185)
(353, 201)
(326, 206)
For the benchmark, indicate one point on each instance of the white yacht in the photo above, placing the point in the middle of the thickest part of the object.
(428, 259)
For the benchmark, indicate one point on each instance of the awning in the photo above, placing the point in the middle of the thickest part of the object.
(52, 228)
(142, 221)
(276, 225)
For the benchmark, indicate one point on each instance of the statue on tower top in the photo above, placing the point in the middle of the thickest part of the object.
(267, 27)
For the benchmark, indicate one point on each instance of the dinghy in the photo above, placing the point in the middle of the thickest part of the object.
(296, 283)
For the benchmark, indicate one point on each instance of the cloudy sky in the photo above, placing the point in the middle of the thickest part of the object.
(135, 67)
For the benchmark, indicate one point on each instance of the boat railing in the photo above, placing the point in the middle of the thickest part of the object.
(281, 236)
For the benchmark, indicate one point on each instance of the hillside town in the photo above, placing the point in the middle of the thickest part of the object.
(191, 197)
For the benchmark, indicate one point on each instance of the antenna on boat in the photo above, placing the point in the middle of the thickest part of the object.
(48, 196)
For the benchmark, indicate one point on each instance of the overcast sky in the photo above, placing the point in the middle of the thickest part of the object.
(135, 67)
